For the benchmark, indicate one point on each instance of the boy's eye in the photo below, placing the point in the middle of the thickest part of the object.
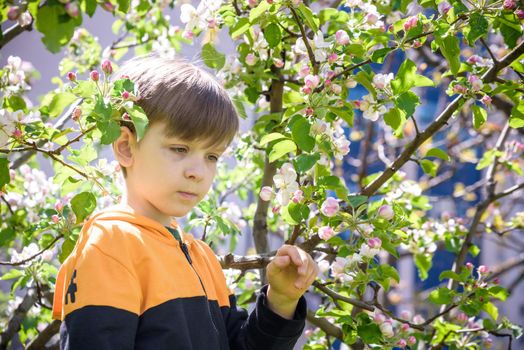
(213, 158)
(179, 149)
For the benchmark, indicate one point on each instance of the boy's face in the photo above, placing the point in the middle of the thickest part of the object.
(166, 176)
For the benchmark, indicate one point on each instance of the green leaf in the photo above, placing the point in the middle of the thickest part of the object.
(357, 50)
(407, 102)
(478, 27)
(139, 119)
(356, 201)
(56, 25)
(120, 86)
(479, 116)
(83, 205)
(491, 310)
(437, 152)
(407, 77)
(441, 296)
(298, 211)
(84, 155)
(123, 5)
(110, 131)
(300, 133)
(102, 111)
(256, 12)
(395, 118)
(271, 137)
(424, 264)
(90, 7)
(311, 20)
(517, 115)
(281, 148)
(304, 162)
(369, 333)
(59, 102)
(346, 114)
(4, 172)
(287, 216)
(487, 159)
(212, 58)
(273, 34)
(450, 48)
(66, 249)
(429, 167)
(239, 28)
(510, 35)
(498, 292)
(12, 274)
(379, 55)
(86, 89)
(389, 271)
(15, 103)
(448, 274)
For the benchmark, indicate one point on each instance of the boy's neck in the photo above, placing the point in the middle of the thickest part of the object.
(147, 210)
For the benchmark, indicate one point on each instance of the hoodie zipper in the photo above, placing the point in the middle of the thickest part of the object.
(185, 250)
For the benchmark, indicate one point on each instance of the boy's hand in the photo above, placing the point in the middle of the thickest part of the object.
(290, 274)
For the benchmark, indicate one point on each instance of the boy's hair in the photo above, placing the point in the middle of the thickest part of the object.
(189, 100)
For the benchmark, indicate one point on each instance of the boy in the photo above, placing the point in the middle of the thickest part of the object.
(134, 279)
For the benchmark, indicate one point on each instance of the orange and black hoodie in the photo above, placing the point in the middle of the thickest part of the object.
(132, 283)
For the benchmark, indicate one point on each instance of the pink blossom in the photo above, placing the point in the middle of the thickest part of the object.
(332, 58)
(306, 90)
(375, 243)
(309, 111)
(107, 67)
(418, 319)
(386, 212)
(252, 3)
(469, 266)
(126, 116)
(276, 209)
(330, 207)
(486, 100)
(371, 18)
(379, 318)
(77, 113)
(459, 89)
(483, 269)
(59, 206)
(25, 19)
(278, 62)
(108, 6)
(488, 343)
(474, 59)
(188, 34)
(311, 81)
(520, 14)
(462, 317)
(95, 76)
(251, 59)
(17, 133)
(402, 343)
(13, 13)
(509, 4)
(387, 329)
(72, 9)
(55, 218)
(304, 71)
(476, 82)
(404, 327)
(342, 37)
(406, 315)
(410, 23)
(381, 81)
(326, 232)
(266, 193)
(444, 7)
(412, 340)
(125, 95)
(298, 196)
(336, 89)
(211, 23)
(71, 76)
(47, 255)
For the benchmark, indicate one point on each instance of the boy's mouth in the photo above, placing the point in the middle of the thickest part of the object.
(187, 195)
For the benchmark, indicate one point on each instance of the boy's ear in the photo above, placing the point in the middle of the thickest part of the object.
(124, 147)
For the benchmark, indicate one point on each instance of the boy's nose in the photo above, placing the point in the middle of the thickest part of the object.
(194, 171)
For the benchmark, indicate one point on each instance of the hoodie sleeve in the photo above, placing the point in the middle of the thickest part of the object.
(262, 329)
(100, 302)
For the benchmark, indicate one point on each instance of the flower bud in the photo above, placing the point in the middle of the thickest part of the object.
(55, 218)
(462, 317)
(520, 14)
(266, 193)
(126, 117)
(309, 111)
(298, 196)
(251, 59)
(17, 133)
(107, 67)
(444, 7)
(94, 75)
(71, 76)
(483, 269)
(379, 318)
(330, 207)
(25, 19)
(13, 13)
(326, 232)
(59, 206)
(509, 5)
(404, 327)
(410, 23)
(72, 9)
(375, 243)
(386, 212)
(77, 113)
(486, 100)
(278, 62)
(341, 37)
(125, 95)
(332, 58)
(469, 266)
(402, 343)
(108, 6)
(412, 340)
(459, 89)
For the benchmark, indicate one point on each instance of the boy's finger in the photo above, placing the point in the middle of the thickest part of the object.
(281, 261)
(292, 252)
